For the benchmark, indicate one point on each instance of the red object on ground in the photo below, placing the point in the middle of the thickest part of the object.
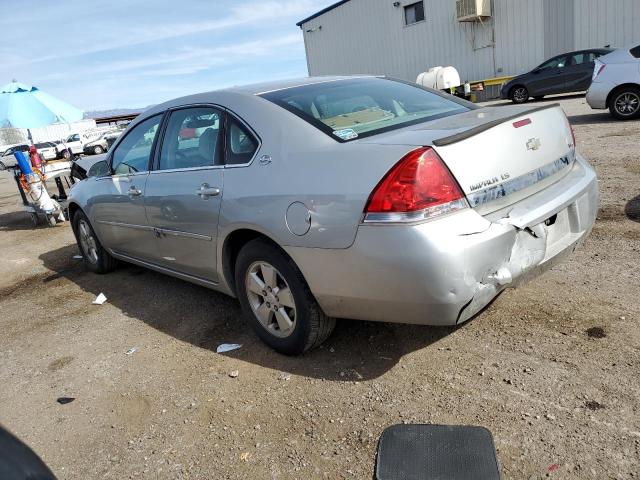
(36, 161)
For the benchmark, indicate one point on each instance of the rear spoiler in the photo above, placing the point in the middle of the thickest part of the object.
(441, 142)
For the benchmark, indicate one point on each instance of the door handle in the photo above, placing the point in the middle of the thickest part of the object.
(134, 192)
(205, 191)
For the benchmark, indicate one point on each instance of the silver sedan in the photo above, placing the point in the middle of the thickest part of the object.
(343, 197)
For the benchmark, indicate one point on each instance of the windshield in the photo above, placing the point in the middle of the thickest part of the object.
(349, 109)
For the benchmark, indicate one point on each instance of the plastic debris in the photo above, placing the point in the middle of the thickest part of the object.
(100, 299)
(65, 400)
(131, 351)
(234, 374)
(227, 347)
(244, 456)
(77, 257)
(285, 376)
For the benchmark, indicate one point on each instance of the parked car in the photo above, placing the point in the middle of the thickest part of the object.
(339, 197)
(91, 142)
(8, 160)
(47, 150)
(569, 72)
(616, 83)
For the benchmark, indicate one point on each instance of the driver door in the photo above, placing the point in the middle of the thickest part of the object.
(118, 209)
(548, 78)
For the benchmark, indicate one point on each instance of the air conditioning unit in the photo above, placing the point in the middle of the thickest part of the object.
(472, 10)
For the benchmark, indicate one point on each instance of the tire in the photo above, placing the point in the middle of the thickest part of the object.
(66, 154)
(519, 94)
(98, 150)
(308, 324)
(94, 256)
(625, 103)
(2, 166)
(538, 98)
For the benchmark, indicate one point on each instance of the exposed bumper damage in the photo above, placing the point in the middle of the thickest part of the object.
(445, 271)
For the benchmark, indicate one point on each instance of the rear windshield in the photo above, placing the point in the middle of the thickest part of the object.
(355, 108)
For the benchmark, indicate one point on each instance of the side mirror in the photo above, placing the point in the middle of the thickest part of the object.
(99, 169)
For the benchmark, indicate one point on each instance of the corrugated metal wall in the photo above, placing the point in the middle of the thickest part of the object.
(559, 27)
(369, 36)
(611, 22)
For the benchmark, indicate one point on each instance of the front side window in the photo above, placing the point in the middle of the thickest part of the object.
(192, 139)
(635, 52)
(241, 144)
(414, 13)
(558, 62)
(133, 153)
(348, 109)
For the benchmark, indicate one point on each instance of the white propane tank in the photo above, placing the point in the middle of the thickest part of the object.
(439, 78)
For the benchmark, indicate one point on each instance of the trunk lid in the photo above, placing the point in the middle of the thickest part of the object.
(498, 155)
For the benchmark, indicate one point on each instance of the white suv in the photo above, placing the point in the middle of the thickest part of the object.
(616, 83)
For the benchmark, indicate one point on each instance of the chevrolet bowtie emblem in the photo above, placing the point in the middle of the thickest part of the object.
(533, 144)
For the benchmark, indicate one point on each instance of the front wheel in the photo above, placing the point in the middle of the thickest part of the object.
(66, 154)
(94, 255)
(277, 301)
(625, 104)
(98, 150)
(519, 94)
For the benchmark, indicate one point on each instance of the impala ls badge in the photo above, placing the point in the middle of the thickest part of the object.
(265, 160)
(533, 144)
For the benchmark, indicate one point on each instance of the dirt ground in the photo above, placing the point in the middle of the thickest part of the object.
(550, 368)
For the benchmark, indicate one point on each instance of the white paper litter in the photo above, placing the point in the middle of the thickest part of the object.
(227, 347)
(131, 350)
(78, 257)
(100, 299)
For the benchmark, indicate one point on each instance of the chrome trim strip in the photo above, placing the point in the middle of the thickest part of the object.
(187, 169)
(412, 217)
(514, 185)
(125, 225)
(179, 233)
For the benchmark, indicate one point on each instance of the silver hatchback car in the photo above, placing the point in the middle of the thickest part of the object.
(343, 197)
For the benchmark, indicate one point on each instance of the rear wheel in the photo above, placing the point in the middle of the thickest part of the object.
(519, 94)
(625, 103)
(98, 150)
(95, 257)
(277, 301)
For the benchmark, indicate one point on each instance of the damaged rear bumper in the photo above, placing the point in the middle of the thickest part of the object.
(444, 271)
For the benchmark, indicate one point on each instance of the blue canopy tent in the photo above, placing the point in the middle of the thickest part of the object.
(25, 106)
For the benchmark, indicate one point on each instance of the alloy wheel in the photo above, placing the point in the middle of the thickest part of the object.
(627, 104)
(271, 299)
(520, 94)
(87, 242)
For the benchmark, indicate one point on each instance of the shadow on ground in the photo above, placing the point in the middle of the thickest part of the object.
(591, 119)
(204, 318)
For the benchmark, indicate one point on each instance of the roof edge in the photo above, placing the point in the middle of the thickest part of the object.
(321, 12)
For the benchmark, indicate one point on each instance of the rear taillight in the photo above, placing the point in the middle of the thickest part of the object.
(573, 134)
(419, 186)
(598, 69)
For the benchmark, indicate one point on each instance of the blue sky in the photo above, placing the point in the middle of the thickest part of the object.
(130, 53)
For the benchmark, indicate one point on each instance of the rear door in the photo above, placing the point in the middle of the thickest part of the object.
(117, 208)
(184, 191)
(578, 71)
(548, 78)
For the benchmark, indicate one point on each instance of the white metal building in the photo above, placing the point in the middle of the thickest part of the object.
(481, 38)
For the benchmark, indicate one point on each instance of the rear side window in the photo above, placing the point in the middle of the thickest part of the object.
(635, 51)
(191, 139)
(241, 144)
(349, 109)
